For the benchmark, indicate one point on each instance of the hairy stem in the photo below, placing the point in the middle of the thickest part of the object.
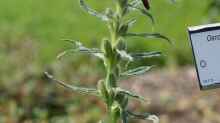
(112, 67)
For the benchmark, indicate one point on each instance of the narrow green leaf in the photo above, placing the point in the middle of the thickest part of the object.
(64, 53)
(138, 116)
(124, 55)
(146, 116)
(143, 55)
(131, 57)
(130, 94)
(148, 14)
(149, 35)
(93, 12)
(131, 22)
(78, 47)
(123, 29)
(121, 44)
(82, 90)
(135, 3)
(109, 13)
(143, 11)
(137, 71)
(153, 118)
(103, 90)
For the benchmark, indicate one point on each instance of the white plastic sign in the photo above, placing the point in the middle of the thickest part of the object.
(205, 42)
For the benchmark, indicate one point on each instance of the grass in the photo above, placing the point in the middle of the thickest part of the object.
(48, 21)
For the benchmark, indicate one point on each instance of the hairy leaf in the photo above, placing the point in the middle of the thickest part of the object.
(130, 94)
(121, 44)
(135, 3)
(131, 57)
(109, 13)
(143, 11)
(131, 22)
(93, 12)
(123, 29)
(60, 55)
(143, 55)
(137, 71)
(124, 55)
(103, 90)
(146, 116)
(82, 90)
(149, 35)
(78, 47)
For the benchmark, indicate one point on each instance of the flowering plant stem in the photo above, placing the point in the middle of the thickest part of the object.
(116, 58)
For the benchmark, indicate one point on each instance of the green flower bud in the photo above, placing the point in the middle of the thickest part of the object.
(111, 96)
(109, 53)
(107, 48)
(121, 44)
(109, 13)
(118, 57)
(111, 80)
(103, 90)
(117, 71)
(123, 30)
(122, 99)
(116, 110)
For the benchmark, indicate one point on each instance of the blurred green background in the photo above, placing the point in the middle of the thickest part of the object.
(30, 39)
(46, 22)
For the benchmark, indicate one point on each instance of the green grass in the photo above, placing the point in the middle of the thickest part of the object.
(48, 21)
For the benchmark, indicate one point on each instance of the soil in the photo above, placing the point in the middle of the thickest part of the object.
(175, 96)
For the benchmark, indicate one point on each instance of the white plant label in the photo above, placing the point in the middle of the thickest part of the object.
(205, 42)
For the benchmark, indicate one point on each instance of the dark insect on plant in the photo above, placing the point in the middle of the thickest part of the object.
(116, 59)
(146, 4)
